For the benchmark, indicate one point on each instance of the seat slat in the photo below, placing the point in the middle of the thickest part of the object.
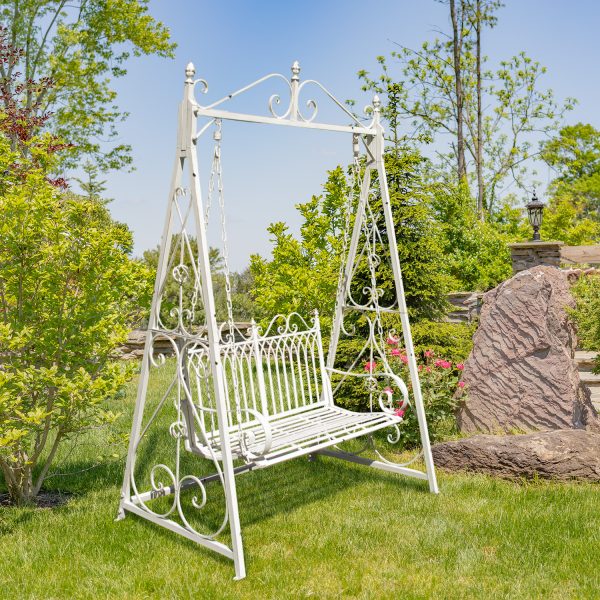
(320, 427)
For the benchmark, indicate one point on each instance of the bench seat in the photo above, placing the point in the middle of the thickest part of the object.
(306, 431)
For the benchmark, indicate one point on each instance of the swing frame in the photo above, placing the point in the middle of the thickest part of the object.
(372, 139)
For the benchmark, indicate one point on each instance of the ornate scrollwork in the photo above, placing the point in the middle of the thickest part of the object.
(292, 85)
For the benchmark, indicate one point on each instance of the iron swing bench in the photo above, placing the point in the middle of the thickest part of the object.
(248, 401)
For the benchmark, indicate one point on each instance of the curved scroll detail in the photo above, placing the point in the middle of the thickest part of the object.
(293, 86)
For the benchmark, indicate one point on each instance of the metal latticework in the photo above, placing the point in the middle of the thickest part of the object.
(230, 401)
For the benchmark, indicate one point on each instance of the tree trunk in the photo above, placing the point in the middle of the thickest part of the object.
(457, 50)
(479, 159)
(19, 481)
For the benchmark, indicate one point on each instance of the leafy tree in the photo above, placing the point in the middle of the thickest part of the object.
(78, 46)
(418, 235)
(476, 253)
(302, 273)
(68, 292)
(587, 295)
(489, 114)
(564, 220)
(574, 153)
(67, 287)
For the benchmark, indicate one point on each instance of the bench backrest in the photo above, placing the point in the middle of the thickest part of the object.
(279, 372)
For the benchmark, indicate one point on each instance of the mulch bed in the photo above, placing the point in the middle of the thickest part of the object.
(43, 499)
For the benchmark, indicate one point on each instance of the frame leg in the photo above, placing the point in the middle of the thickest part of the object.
(376, 464)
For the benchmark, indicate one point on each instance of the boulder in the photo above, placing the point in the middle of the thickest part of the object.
(521, 374)
(560, 454)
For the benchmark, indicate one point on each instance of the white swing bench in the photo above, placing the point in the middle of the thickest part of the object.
(245, 402)
(285, 406)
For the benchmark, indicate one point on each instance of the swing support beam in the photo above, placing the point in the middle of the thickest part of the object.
(186, 168)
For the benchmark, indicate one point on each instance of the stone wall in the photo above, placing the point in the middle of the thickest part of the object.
(466, 306)
(134, 347)
(526, 255)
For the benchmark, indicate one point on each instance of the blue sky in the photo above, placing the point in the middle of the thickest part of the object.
(269, 169)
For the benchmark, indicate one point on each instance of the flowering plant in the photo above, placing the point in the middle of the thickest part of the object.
(441, 388)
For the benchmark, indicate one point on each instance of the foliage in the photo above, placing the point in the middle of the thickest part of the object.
(439, 379)
(476, 252)
(67, 288)
(575, 154)
(515, 110)
(564, 220)
(302, 273)
(80, 47)
(451, 340)
(418, 235)
(67, 292)
(587, 313)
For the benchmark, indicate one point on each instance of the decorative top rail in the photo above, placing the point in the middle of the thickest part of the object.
(293, 115)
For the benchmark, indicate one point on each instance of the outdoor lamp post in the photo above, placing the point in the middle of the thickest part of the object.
(535, 210)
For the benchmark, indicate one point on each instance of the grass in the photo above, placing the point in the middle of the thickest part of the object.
(326, 529)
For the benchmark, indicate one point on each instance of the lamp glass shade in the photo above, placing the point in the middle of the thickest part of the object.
(535, 211)
(535, 216)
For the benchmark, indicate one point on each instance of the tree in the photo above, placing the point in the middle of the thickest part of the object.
(574, 154)
(302, 273)
(68, 294)
(564, 220)
(67, 288)
(443, 88)
(79, 47)
(587, 295)
(476, 253)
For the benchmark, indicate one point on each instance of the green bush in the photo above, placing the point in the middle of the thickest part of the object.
(450, 340)
(476, 253)
(587, 313)
(440, 387)
(441, 349)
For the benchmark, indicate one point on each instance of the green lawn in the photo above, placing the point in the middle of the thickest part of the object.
(327, 529)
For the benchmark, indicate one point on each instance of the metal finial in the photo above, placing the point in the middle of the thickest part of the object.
(296, 71)
(190, 70)
(376, 103)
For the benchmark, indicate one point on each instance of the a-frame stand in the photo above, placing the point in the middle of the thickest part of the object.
(186, 158)
(191, 328)
(374, 145)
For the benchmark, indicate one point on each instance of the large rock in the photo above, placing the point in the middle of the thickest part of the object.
(563, 455)
(521, 374)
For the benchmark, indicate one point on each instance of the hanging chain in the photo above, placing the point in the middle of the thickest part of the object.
(216, 181)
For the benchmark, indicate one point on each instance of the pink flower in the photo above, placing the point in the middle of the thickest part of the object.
(460, 366)
(399, 412)
(392, 341)
(444, 364)
(428, 353)
(461, 384)
(388, 390)
(420, 367)
(404, 359)
(370, 366)
(395, 352)
(427, 369)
